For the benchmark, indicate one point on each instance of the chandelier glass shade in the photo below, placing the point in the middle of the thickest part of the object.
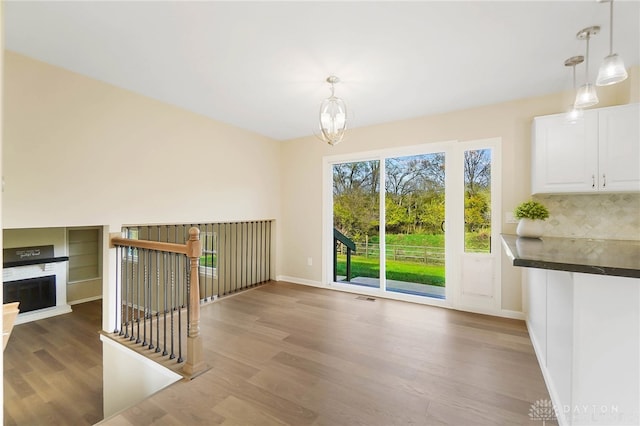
(333, 116)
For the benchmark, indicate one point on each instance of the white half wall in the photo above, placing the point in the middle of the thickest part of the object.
(129, 377)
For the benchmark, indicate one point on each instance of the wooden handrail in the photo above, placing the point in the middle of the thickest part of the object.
(151, 245)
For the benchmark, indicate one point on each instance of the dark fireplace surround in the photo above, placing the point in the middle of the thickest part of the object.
(36, 292)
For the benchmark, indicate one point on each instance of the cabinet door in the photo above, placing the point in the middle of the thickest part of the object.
(619, 146)
(564, 155)
(606, 370)
(536, 308)
(560, 353)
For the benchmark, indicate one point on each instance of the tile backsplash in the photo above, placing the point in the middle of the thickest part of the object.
(609, 216)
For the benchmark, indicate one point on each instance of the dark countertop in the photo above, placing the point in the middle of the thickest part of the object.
(603, 257)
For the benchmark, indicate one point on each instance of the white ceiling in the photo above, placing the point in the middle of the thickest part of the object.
(261, 65)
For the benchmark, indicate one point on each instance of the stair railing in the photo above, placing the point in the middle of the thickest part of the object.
(340, 238)
(144, 297)
(236, 255)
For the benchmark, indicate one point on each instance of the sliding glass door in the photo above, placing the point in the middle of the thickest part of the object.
(414, 219)
(430, 233)
(356, 223)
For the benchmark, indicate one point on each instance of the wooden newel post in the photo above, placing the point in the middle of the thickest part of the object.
(195, 363)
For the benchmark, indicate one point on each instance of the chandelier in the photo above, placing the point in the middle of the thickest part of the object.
(333, 115)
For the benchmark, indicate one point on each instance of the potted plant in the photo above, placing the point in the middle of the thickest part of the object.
(532, 215)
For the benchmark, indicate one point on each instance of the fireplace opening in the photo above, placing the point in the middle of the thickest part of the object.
(32, 293)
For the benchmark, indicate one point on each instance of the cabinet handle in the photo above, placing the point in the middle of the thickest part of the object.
(593, 181)
(604, 180)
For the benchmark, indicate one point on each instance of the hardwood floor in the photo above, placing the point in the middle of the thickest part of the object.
(296, 355)
(53, 370)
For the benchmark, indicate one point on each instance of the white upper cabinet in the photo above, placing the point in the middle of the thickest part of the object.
(565, 155)
(619, 148)
(600, 152)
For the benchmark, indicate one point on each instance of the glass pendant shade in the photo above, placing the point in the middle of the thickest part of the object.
(611, 71)
(574, 114)
(333, 116)
(586, 96)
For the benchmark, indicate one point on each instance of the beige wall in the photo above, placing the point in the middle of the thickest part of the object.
(78, 152)
(302, 169)
(56, 237)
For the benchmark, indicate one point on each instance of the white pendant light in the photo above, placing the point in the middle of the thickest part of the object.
(587, 95)
(574, 114)
(612, 70)
(333, 116)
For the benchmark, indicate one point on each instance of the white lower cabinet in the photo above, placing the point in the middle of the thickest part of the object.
(586, 334)
(537, 311)
(560, 332)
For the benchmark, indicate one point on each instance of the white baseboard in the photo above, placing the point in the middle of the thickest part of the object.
(503, 313)
(87, 299)
(302, 281)
(507, 313)
(53, 311)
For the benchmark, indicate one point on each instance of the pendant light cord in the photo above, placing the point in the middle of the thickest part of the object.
(611, 28)
(586, 60)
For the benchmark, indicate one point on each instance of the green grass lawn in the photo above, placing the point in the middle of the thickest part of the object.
(209, 259)
(411, 272)
(474, 241)
(422, 240)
